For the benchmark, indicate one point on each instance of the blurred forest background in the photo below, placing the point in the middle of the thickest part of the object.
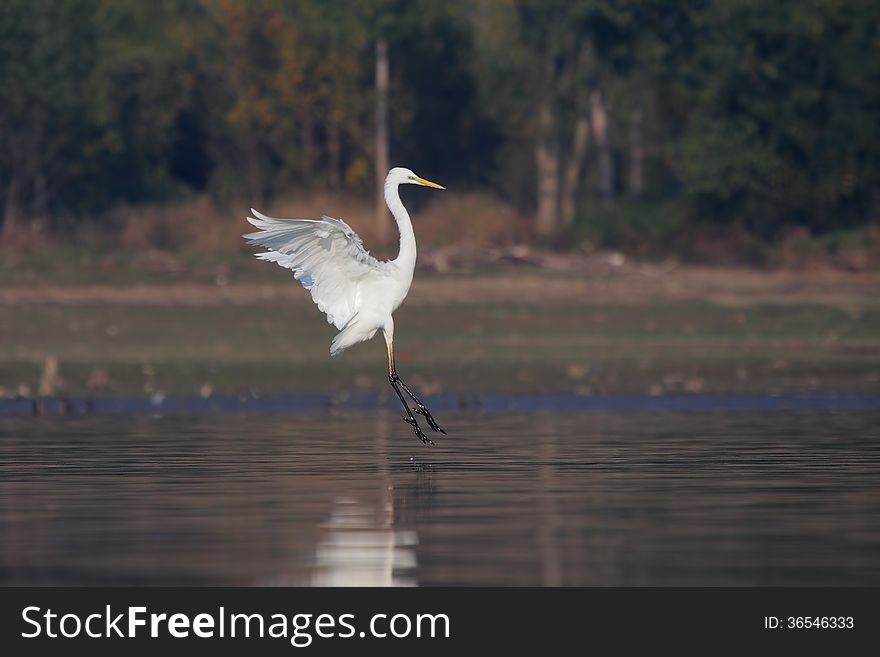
(715, 131)
(643, 196)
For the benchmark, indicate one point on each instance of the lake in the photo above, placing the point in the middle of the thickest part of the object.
(627, 494)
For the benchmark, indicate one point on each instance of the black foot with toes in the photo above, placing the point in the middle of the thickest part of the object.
(418, 430)
(409, 418)
(421, 410)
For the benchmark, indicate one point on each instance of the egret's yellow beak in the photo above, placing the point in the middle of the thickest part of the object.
(428, 183)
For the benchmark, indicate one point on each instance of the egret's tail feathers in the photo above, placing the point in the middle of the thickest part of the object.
(352, 333)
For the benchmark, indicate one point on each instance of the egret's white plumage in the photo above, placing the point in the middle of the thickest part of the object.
(328, 258)
(357, 292)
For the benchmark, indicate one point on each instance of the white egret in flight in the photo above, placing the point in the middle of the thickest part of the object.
(357, 292)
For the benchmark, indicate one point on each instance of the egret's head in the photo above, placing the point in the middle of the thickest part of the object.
(404, 176)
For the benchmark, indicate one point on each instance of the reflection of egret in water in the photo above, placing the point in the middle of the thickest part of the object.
(361, 545)
(358, 551)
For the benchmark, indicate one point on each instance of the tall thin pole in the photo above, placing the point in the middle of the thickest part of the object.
(601, 132)
(546, 160)
(636, 152)
(383, 225)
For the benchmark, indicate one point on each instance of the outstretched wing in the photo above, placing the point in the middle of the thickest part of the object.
(326, 256)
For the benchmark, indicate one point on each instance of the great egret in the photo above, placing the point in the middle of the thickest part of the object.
(357, 292)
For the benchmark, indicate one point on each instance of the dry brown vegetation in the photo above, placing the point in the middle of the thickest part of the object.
(469, 220)
(456, 231)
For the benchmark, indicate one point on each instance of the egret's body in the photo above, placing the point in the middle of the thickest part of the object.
(357, 292)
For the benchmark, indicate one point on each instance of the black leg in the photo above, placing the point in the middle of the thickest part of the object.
(421, 409)
(409, 418)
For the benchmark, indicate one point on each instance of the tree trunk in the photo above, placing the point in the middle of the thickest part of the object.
(599, 119)
(243, 127)
(383, 225)
(334, 145)
(546, 163)
(12, 211)
(255, 183)
(636, 153)
(307, 165)
(571, 177)
(573, 171)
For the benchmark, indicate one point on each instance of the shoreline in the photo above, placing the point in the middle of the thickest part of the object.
(161, 405)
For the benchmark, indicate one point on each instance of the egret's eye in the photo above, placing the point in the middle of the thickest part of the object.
(411, 177)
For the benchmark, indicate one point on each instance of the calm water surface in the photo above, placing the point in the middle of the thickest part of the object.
(544, 498)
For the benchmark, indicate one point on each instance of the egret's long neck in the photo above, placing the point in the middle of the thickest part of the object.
(407, 256)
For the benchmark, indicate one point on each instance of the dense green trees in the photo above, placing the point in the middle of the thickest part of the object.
(751, 114)
(786, 115)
